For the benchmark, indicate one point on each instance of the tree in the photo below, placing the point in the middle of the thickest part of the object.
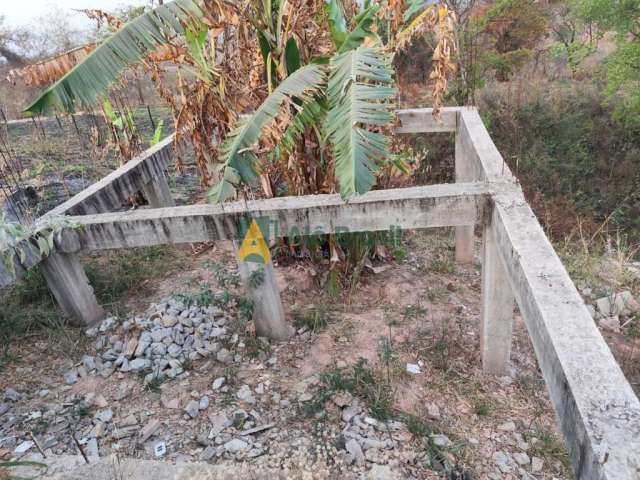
(623, 65)
(513, 28)
(574, 38)
(8, 47)
(495, 39)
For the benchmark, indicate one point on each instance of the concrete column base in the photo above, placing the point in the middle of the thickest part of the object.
(465, 239)
(70, 286)
(157, 192)
(262, 287)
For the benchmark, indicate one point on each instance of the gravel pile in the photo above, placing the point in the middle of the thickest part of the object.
(160, 342)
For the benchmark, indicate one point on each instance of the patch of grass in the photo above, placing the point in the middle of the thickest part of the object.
(399, 254)
(413, 311)
(481, 406)
(187, 364)
(27, 307)
(436, 294)
(529, 384)
(548, 446)
(441, 354)
(418, 426)
(230, 375)
(362, 381)
(442, 458)
(154, 385)
(314, 319)
(633, 329)
(205, 297)
(115, 274)
(443, 265)
(253, 346)
(225, 277)
(245, 309)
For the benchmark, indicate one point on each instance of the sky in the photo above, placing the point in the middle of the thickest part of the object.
(23, 12)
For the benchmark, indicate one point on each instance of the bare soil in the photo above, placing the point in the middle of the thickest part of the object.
(425, 309)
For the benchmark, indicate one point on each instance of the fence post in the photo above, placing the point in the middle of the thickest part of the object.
(498, 304)
(157, 192)
(464, 173)
(70, 286)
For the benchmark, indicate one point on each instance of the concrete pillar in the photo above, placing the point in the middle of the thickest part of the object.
(157, 192)
(262, 287)
(70, 286)
(464, 235)
(498, 303)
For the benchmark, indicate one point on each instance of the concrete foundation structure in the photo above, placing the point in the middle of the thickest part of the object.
(597, 411)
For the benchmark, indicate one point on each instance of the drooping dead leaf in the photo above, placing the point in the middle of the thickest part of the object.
(442, 21)
(47, 71)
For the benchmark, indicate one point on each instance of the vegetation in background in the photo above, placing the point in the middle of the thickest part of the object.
(578, 165)
(622, 66)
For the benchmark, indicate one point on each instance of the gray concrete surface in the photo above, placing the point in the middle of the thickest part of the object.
(70, 286)
(407, 208)
(596, 409)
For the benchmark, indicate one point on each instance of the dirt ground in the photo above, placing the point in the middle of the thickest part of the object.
(423, 310)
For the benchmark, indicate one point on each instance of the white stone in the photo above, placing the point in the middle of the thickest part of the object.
(23, 447)
(413, 368)
(245, 394)
(440, 440)
(193, 408)
(521, 458)
(218, 382)
(236, 445)
(536, 464)
(353, 447)
(611, 324)
(507, 426)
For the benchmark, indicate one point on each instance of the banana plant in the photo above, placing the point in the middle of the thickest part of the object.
(279, 49)
(345, 98)
(352, 95)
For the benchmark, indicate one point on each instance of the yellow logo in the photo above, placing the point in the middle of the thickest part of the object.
(254, 248)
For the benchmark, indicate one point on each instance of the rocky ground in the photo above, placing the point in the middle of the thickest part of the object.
(381, 383)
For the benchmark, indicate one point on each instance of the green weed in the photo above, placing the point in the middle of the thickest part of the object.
(314, 319)
(114, 275)
(363, 381)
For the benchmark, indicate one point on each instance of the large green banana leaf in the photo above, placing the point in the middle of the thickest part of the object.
(360, 95)
(237, 149)
(86, 84)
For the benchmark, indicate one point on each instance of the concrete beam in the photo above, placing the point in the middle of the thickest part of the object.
(486, 163)
(112, 191)
(421, 120)
(596, 409)
(406, 208)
